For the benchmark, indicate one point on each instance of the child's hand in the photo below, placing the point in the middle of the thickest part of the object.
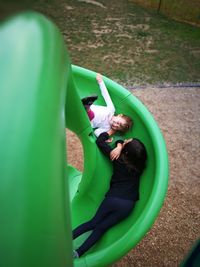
(109, 140)
(111, 132)
(99, 78)
(115, 153)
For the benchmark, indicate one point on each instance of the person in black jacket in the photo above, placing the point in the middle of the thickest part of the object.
(128, 159)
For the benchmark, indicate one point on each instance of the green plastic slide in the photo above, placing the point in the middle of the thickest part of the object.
(41, 197)
(97, 171)
(35, 227)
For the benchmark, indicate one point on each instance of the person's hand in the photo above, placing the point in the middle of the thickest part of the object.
(115, 153)
(99, 78)
(111, 132)
(109, 140)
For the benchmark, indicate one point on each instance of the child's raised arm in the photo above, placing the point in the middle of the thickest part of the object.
(104, 92)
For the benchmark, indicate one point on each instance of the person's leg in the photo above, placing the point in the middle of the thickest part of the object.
(102, 211)
(119, 209)
(89, 100)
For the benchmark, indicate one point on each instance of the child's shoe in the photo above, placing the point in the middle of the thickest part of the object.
(75, 254)
(88, 101)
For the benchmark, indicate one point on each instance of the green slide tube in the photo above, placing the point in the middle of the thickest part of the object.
(36, 225)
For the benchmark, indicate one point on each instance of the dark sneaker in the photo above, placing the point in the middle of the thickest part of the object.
(88, 101)
(75, 254)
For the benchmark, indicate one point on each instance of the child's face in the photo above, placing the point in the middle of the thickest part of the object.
(117, 123)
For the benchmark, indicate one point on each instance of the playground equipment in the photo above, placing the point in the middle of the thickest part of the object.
(40, 95)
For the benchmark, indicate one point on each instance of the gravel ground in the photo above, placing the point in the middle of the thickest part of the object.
(178, 225)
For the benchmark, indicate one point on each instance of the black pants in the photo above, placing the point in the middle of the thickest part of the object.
(111, 211)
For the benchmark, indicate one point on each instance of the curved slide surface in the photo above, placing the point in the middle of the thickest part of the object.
(97, 170)
(40, 95)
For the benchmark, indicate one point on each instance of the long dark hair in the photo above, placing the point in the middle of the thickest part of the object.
(134, 155)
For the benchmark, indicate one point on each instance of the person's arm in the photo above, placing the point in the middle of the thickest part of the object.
(116, 152)
(98, 131)
(105, 93)
(102, 144)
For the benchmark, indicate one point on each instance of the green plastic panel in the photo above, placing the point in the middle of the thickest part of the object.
(35, 224)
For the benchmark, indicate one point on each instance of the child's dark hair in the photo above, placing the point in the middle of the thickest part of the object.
(128, 125)
(134, 155)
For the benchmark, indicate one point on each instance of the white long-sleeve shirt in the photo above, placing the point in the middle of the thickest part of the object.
(102, 114)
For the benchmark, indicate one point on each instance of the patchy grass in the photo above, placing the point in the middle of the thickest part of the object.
(126, 42)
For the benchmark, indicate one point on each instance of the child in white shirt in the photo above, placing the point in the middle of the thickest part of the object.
(102, 118)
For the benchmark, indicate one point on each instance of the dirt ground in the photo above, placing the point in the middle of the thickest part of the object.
(178, 225)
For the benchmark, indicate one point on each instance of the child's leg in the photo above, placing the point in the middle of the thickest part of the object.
(102, 211)
(118, 210)
(89, 100)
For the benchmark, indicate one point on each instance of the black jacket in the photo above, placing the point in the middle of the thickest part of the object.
(124, 182)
